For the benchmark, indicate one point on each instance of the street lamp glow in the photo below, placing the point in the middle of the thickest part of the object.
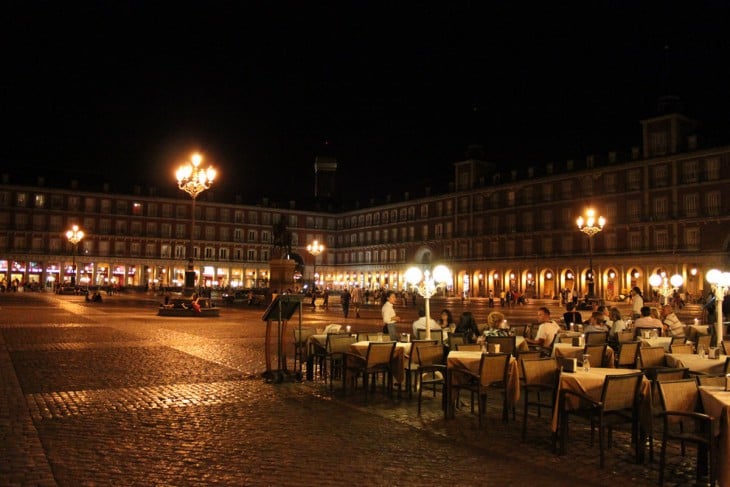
(590, 225)
(721, 283)
(74, 236)
(315, 248)
(426, 285)
(192, 179)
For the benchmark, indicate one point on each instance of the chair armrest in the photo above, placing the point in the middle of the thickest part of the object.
(580, 395)
(687, 414)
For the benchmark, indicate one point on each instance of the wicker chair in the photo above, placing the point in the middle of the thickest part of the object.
(492, 376)
(377, 360)
(431, 372)
(682, 422)
(413, 363)
(540, 382)
(618, 404)
(628, 354)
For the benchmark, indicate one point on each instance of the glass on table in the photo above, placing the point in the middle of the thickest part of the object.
(586, 362)
(380, 336)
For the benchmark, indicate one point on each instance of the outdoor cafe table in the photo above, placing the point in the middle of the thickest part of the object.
(695, 330)
(402, 350)
(567, 350)
(664, 342)
(697, 364)
(590, 383)
(716, 403)
(469, 362)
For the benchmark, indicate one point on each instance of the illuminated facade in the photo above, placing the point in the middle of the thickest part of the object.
(667, 209)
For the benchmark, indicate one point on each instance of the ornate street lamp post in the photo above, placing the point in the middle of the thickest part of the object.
(193, 180)
(720, 283)
(315, 248)
(665, 286)
(590, 226)
(74, 236)
(426, 285)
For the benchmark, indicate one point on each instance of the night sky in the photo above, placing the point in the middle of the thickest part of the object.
(395, 91)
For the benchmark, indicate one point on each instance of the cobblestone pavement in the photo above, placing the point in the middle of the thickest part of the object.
(111, 394)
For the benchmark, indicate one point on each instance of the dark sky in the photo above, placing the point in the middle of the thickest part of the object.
(395, 90)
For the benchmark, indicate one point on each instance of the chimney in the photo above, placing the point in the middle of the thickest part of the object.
(590, 161)
(634, 153)
(549, 168)
(531, 172)
(41, 181)
(612, 157)
(692, 142)
(292, 204)
(569, 164)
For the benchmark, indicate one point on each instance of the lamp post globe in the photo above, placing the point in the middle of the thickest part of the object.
(590, 225)
(74, 236)
(315, 248)
(193, 179)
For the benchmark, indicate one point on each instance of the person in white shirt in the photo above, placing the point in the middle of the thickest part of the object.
(420, 323)
(618, 324)
(646, 320)
(356, 300)
(637, 302)
(547, 330)
(388, 312)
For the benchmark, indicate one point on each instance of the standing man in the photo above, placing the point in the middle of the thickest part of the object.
(356, 299)
(345, 300)
(388, 311)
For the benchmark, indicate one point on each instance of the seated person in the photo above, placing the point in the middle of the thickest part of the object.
(617, 323)
(547, 330)
(596, 323)
(468, 326)
(420, 323)
(646, 320)
(571, 315)
(672, 326)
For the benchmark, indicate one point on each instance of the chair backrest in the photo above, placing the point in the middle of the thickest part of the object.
(529, 355)
(710, 380)
(493, 368)
(652, 357)
(596, 354)
(332, 328)
(518, 330)
(506, 344)
(628, 352)
(435, 335)
(430, 355)
(704, 341)
(393, 332)
(456, 339)
(340, 342)
(364, 336)
(596, 337)
(300, 337)
(468, 347)
(621, 391)
(544, 371)
(679, 395)
(626, 336)
(373, 337)
(379, 353)
(415, 345)
(671, 373)
(681, 348)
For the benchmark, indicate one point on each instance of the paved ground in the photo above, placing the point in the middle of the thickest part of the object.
(111, 394)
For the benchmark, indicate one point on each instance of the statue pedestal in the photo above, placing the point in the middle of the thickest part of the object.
(281, 275)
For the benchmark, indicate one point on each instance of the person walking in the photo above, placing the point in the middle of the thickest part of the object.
(345, 300)
(356, 299)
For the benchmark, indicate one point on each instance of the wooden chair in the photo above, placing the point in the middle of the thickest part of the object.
(338, 344)
(682, 422)
(619, 403)
(492, 375)
(540, 380)
(703, 341)
(435, 335)
(468, 347)
(518, 330)
(626, 336)
(710, 380)
(628, 354)
(596, 337)
(652, 358)
(663, 375)
(681, 348)
(301, 345)
(596, 354)
(412, 366)
(377, 360)
(507, 344)
(431, 372)
(455, 339)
